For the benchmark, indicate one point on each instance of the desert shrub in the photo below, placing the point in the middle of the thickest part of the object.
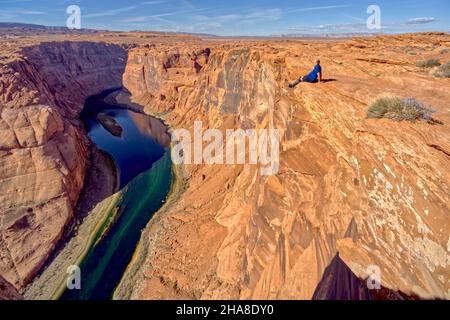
(412, 53)
(428, 63)
(398, 109)
(444, 51)
(443, 71)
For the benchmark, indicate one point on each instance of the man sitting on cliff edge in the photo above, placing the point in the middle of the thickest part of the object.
(314, 76)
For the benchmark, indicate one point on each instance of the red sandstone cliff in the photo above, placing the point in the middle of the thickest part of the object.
(8, 291)
(42, 153)
(374, 191)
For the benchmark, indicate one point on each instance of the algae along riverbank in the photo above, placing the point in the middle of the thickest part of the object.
(105, 263)
(108, 236)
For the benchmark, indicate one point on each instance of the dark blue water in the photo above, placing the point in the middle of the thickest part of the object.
(135, 151)
(145, 176)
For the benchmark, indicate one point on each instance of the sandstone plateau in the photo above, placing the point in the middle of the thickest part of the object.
(351, 192)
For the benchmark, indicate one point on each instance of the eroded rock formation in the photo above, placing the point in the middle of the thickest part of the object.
(374, 191)
(8, 291)
(42, 149)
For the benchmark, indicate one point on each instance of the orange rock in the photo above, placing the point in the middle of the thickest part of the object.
(8, 291)
(374, 191)
(43, 154)
(252, 237)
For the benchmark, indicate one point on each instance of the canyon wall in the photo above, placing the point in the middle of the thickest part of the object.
(373, 192)
(376, 192)
(43, 153)
(8, 291)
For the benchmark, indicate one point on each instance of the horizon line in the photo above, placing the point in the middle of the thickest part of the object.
(287, 34)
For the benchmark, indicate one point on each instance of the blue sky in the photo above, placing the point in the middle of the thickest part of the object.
(235, 17)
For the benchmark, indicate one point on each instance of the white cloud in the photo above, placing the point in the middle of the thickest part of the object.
(115, 12)
(423, 20)
(269, 14)
(112, 12)
(15, 1)
(204, 23)
(320, 8)
(149, 17)
(362, 27)
(159, 16)
(344, 27)
(16, 12)
(6, 16)
(153, 2)
(34, 12)
(242, 18)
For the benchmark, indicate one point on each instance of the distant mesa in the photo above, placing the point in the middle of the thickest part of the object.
(21, 25)
(18, 28)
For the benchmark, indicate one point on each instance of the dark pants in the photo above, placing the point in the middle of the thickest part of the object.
(305, 79)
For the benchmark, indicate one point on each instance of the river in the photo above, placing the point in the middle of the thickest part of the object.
(145, 173)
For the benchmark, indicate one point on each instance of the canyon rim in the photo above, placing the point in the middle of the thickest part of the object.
(350, 193)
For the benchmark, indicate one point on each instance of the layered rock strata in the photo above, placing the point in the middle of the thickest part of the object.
(42, 149)
(376, 192)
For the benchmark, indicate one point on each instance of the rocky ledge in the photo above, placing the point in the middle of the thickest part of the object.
(373, 192)
(43, 155)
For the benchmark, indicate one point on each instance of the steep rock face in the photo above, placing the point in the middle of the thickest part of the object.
(156, 74)
(76, 70)
(374, 191)
(8, 291)
(42, 153)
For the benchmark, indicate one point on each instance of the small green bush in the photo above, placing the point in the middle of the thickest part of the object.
(428, 63)
(399, 109)
(444, 51)
(443, 71)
